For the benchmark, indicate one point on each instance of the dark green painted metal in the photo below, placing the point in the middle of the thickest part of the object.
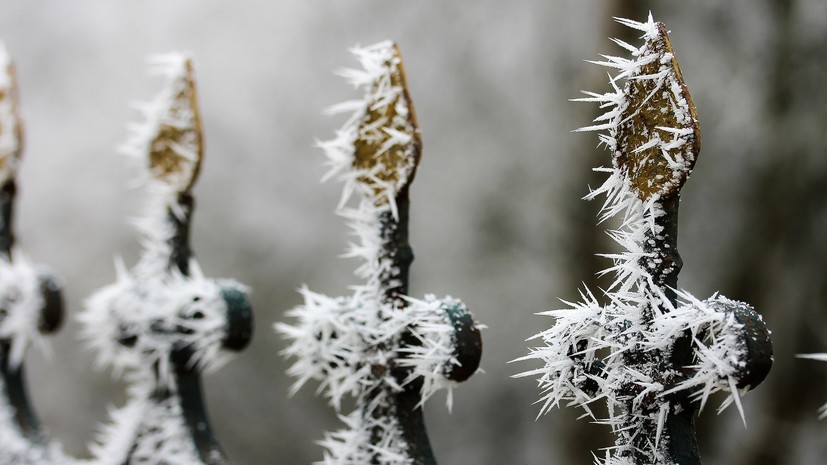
(406, 405)
(15, 391)
(188, 382)
(50, 318)
(680, 433)
(187, 374)
(681, 438)
(7, 195)
(756, 339)
(239, 319)
(467, 344)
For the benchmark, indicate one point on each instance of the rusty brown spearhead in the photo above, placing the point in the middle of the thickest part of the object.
(11, 126)
(388, 144)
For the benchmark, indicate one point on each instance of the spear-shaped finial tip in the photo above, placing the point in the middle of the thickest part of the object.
(658, 135)
(171, 138)
(11, 126)
(176, 150)
(388, 144)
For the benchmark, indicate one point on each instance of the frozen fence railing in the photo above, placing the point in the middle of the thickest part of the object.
(653, 353)
(386, 349)
(160, 323)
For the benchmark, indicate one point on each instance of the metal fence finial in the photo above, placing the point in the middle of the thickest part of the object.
(163, 322)
(653, 353)
(388, 350)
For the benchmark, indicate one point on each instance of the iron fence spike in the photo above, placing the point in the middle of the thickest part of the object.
(163, 320)
(386, 349)
(31, 302)
(653, 352)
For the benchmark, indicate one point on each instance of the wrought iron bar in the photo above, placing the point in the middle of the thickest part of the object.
(653, 352)
(388, 350)
(163, 321)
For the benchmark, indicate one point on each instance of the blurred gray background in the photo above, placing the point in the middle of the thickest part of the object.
(497, 218)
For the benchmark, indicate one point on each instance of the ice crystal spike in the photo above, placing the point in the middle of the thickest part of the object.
(11, 127)
(163, 322)
(653, 353)
(388, 350)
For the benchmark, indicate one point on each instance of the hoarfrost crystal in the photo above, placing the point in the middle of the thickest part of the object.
(823, 358)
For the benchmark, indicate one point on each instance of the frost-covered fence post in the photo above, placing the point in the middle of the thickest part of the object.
(388, 350)
(163, 322)
(653, 353)
(30, 298)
